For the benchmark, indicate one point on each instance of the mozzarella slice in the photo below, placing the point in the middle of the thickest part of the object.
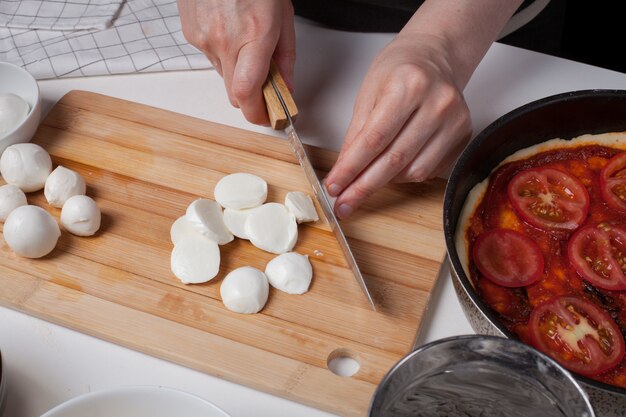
(240, 191)
(272, 228)
(235, 221)
(11, 197)
(31, 231)
(245, 290)
(26, 165)
(301, 205)
(62, 184)
(180, 228)
(290, 272)
(206, 217)
(195, 259)
(81, 216)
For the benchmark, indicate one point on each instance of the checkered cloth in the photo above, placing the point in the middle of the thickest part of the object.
(58, 14)
(145, 37)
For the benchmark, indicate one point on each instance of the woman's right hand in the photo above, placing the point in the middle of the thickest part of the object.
(240, 37)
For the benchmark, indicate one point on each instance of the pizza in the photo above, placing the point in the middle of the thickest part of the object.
(543, 242)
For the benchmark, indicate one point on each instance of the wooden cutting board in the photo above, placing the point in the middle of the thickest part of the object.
(143, 166)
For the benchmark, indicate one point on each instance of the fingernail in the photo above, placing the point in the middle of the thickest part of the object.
(333, 189)
(344, 211)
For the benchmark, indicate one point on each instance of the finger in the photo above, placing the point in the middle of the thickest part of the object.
(383, 124)
(387, 165)
(439, 152)
(227, 67)
(251, 69)
(285, 53)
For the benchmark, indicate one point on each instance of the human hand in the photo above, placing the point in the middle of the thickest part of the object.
(240, 37)
(409, 122)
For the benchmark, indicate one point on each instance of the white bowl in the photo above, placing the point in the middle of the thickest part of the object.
(16, 80)
(139, 401)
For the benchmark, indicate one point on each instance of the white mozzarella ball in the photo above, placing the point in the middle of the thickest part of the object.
(62, 184)
(26, 165)
(11, 197)
(31, 231)
(13, 110)
(207, 218)
(195, 259)
(245, 290)
(290, 272)
(272, 228)
(301, 205)
(240, 191)
(235, 221)
(181, 228)
(81, 216)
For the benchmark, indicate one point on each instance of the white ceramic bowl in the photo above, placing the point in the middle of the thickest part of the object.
(16, 80)
(140, 401)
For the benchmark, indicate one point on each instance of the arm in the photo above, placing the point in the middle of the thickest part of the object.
(239, 37)
(410, 119)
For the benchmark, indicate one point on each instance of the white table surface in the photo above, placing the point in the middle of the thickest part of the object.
(48, 364)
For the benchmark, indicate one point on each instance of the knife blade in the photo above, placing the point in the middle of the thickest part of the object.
(284, 120)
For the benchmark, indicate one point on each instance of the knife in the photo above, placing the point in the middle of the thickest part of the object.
(281, 110)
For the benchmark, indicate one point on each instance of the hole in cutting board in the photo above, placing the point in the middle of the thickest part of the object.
(342, 362)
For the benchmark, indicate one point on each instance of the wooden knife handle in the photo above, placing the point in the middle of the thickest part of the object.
(278, 118)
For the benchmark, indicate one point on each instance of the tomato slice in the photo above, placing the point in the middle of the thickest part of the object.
(577, 334)
(613, 182)
(549, 198)
(508, 258)
(598, 254)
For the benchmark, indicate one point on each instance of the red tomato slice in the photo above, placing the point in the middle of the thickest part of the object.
(577, 334)
(549, 198)
(508, 258)
(613, 182)
(598, 254)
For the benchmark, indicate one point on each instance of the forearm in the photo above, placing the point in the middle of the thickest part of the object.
(466, 27)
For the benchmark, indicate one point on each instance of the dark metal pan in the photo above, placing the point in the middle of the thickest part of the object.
(562, 116)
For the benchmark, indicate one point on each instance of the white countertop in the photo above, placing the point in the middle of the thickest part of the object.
(48, 364)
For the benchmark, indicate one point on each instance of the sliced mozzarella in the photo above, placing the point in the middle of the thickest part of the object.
(301, 205)
(245, 290)
(81, 216)
(26, 165)
(180, 228)
(240, 191)
(235, 221)
(272, 228)
(11, 197)
(62, 184)
(195, 259)
(206, 217)
(31, 231)
(290, 272)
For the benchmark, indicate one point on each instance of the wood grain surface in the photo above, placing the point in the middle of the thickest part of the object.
(144, 166)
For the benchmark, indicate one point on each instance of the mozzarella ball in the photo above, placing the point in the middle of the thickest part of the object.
(207, 218)
(81, 216)
(31, 231)
(11, 197)
(62, 184)
(240, 191)
(235, 221)
(13, 110)
(301, 206)
(290, 272)
(181, 228)
(195, 259)
(245, 290)
(272, 228)
(26, 165)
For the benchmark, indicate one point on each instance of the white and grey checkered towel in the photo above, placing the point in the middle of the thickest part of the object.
(146, 36)
(58, 14)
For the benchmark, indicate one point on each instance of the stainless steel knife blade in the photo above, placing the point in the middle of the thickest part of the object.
(320, 195)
